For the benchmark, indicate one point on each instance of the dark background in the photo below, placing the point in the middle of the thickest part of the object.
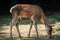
(47, 5)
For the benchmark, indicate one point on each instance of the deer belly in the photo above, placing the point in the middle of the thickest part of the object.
(25, 15)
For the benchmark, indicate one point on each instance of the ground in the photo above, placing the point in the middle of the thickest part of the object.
(24, 29)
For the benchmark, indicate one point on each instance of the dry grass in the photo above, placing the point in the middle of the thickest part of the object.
(24, 29)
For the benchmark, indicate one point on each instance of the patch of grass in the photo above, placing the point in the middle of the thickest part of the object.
(33, 38)
(5, 20)
(56, 17)
(8, 20)
(25, 22)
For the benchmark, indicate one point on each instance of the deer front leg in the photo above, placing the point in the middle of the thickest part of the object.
(35, 25)
(31, 23)
(12, 23)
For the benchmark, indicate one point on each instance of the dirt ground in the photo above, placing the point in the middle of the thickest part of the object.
(24, 29)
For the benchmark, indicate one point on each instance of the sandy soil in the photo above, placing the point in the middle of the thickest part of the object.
(24, 29)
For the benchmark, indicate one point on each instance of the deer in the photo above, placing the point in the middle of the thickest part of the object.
(31, 12)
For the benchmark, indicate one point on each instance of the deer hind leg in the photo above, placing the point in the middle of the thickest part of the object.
(12, 23)
(31, 23)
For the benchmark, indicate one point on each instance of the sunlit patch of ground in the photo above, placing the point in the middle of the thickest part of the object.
(24, 29)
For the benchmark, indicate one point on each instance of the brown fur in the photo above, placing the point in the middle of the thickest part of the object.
(27, 11)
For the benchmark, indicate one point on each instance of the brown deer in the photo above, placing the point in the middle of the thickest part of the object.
(31, 12)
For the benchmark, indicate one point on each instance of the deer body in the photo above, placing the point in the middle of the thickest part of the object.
(27, 11)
